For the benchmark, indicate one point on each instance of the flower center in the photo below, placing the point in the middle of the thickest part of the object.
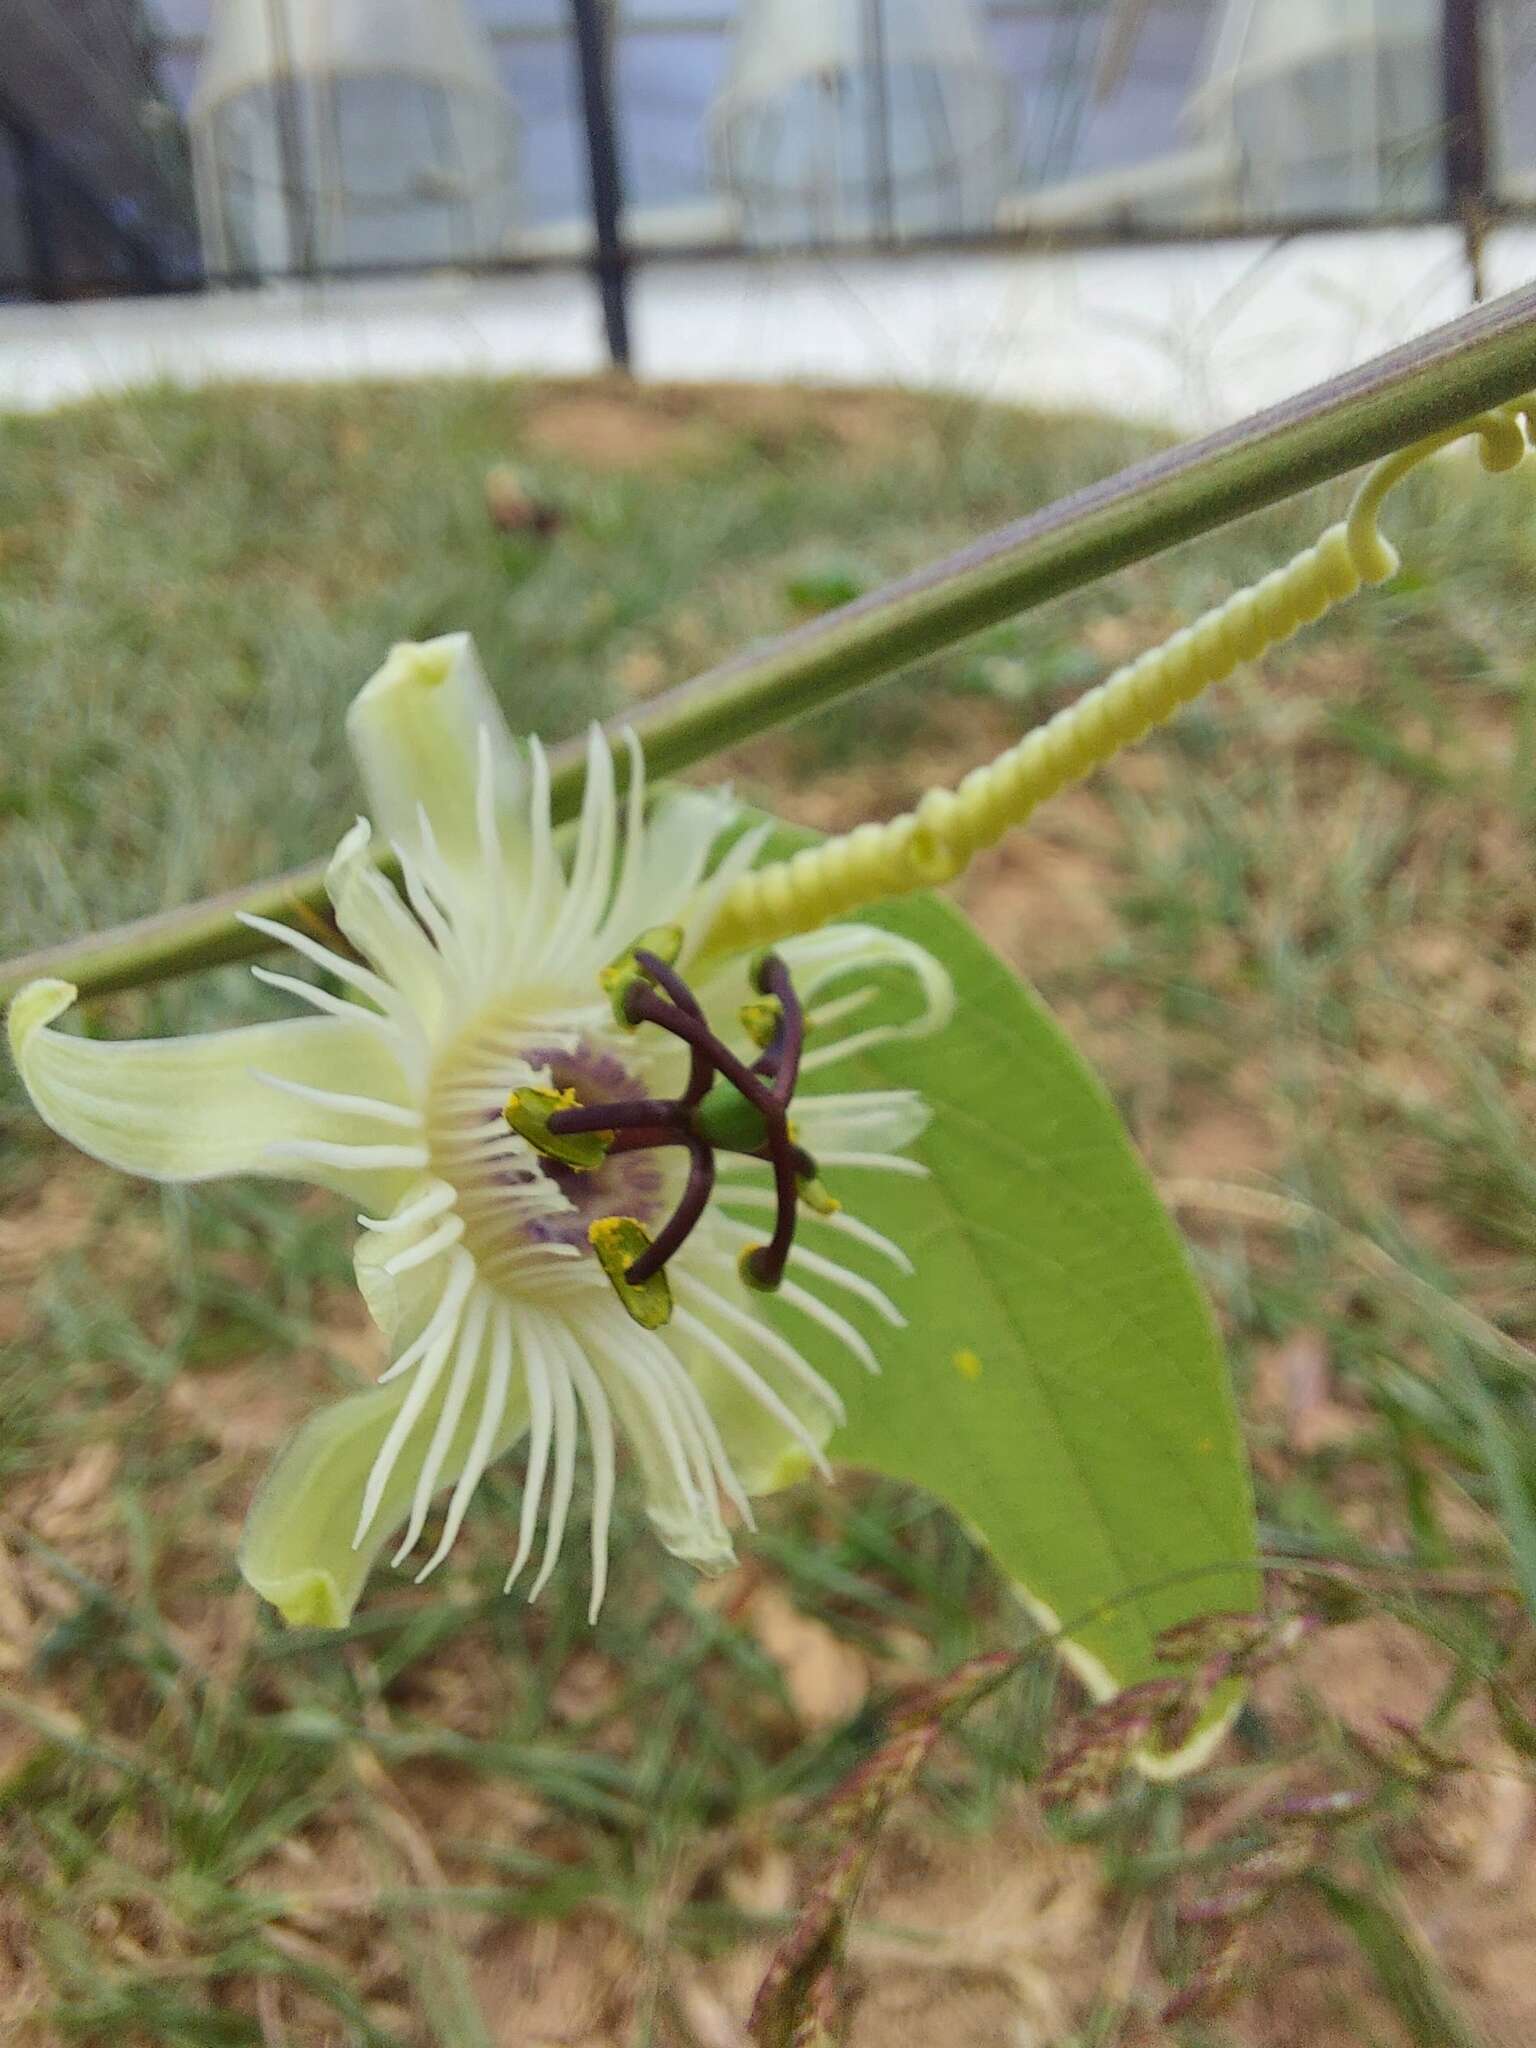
(626, 1184)
(586, 1126)
(515, 1209)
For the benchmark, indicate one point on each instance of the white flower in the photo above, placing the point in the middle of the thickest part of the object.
(479, 981)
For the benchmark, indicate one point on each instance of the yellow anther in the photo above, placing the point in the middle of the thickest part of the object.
(625, 972)
(528, 1111)
(761, 1019)
(817, 1198)
(618, 1241)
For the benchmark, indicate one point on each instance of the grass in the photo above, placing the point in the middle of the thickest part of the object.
(1295, 932)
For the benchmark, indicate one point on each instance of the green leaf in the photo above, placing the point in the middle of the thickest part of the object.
(1060, 1383)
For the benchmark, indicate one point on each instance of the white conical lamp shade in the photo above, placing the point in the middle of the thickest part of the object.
(347, 134)
(852, 119)
(1331, 106)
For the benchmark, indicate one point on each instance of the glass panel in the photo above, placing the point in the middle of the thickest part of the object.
(711, 14)
(180, 17)
(1510, 87)
(249, 183)
(1212, 111)
(541, 77)
(499, 16)
(664, 86)
(884, 117)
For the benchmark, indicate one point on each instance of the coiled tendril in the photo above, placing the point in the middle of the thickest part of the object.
(937, 840)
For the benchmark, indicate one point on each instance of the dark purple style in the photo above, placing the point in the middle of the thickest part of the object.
(755, 1108)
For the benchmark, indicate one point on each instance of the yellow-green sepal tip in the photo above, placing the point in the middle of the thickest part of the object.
(618, 1241)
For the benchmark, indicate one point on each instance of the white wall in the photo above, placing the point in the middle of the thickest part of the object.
(1190, 335)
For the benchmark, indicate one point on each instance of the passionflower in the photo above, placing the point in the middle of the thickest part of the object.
(588, 1153)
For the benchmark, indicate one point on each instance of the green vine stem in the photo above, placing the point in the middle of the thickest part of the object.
(1483, 360)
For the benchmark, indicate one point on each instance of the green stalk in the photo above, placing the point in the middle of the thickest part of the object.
(1486, 358)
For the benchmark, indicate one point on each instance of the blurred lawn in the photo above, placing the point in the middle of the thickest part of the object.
(1296, 932)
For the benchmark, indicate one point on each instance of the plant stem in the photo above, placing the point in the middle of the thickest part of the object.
(1484, 359)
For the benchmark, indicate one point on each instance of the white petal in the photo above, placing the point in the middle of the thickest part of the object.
(298, 1549)
(363, 979)
(426, 906)
(403, 1304)
(680, 835)
(836, 1325)
(770, 1340)
(493, 1405)
(811, 1305)
(808, 1261)
(704, 906)
(570, 938)
(466, 1364)
(764, 1452)
(440, 1335)
(805, 1260)
(546, 882)
(489, 901)
(822, 1016)
(419, 1390)
(541, 1435)
(645, 1396)
(879, 1162)
(330, 1005)
(880, 1120)
(438, 1197)
(564, 1476)
(193, 1109)
(448, 1232)
(715, 1463)
(747, 1376)
(371, 915)
(344, 1105)
(447, 1299)
(414, 728)
(594, 1404)
(850, 1226)
(625, 915)
(648, 1388)
(817, 960)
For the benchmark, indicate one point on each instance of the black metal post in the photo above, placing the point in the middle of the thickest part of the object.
(1466, 127)
(611, 263)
